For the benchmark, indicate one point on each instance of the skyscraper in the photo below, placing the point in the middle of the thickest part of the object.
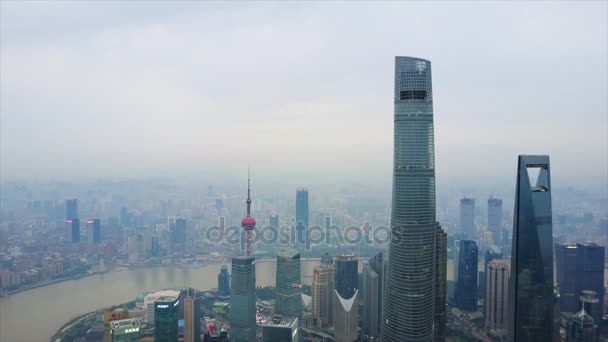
(590, 262)
(94, 230)
(466, 284)
(372, 295)
(491, 254)
(223, 281)
(274, 221)
(71, 209)
(166, 319)
(496, 303)
(566, 274)
(346, 274)
(72, 228)
(322, 292)
(467, 217)
(189, 319)
(495, 219)
(531, 292)
(441, 263)
(346, 317)
(302, 215)
(278, 328)
(409, 302)
(243, 297)
(288, 300)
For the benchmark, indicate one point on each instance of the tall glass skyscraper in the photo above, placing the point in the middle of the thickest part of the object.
(346, 275)
(223, 281)
(242, 300)
(302, 215)
(467, 217)
(531, 292)
(495, 219)
(372, 295)
(288, 279)
(408, 309)
(466, 283)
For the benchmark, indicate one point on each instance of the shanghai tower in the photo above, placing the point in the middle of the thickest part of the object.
(408, 309)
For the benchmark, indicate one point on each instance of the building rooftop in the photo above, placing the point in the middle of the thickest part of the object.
(287, 252)
(280, 321)
(125, 323)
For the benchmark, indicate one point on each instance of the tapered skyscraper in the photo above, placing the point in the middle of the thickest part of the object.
(531, 292)
(408, 310)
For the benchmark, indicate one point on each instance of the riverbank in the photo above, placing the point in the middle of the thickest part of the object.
(45, 283)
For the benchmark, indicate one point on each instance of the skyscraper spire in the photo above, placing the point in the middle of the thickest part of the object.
(248, 223)
(248, 194)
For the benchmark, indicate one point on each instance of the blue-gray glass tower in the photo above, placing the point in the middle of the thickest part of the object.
(408, 309)
(495, 219)
(531, 292)
(466, 284)
(373, 273)
(347, 275)
(242, 300)
(288, 278)
(223, 281)
(301, 215)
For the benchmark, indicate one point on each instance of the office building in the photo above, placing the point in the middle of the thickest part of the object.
(346, 317)
(495, 219)
(126, 330)
(492, 253)
(189, 311)
(151, 298)
(467, 218)
(372, 295)
(71, 209)
(496, 303)
(72, 228)
(590, 262)
(279, 328)
(347, 270)
(274, 221)
(581, 328)
(302, 215)
(94, 231)
(409, 302)
(166, 316)
(223, 281)
(466, 284)
(566, 273)
(288, 299)
(112, 315)
(531, 292)
(441, 262)
(322, 292)
(243, 300)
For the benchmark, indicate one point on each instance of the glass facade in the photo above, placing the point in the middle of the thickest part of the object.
(495, 219)
(466, 284)
(467, 218)
(166, 319)
(531, 294)
(347, 269)
(288, 281)
(408, 309)
(243, 300)
(302, 215)
(223, 281)
(441, 263)
(372, 295)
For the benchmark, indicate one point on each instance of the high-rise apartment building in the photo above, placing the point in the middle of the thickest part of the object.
(495, 219)
(496, 303)
(441, 262)
(409, 298)
(323, 277)
(531, 292)
(373, 273)
(467, 218)
(302, 215)
(466, 284)
(288, 299)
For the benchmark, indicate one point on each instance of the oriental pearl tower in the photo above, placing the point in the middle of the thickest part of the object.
(248, 223)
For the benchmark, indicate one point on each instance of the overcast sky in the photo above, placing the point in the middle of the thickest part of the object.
(128, 89)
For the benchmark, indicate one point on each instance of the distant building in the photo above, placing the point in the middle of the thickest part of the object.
(152, 297)
(94, 230)
(466, 284)
(372, 295)
(126, 330)
(496, 303)
(288, 299)
(441, 261)
(302, 215)
(495, 219)
(110, 316)
(274, 221)
(582, 328)
(322, 292)
(3, 239)
(223, 281)
(243, 300)
(71, 209)
(531, 291)
(492, 253)
(346, 317)
(566, 273)
(467, 217)
(590, 263)
(189, 311)
(166, 319)
(279, 328)
(72, 228)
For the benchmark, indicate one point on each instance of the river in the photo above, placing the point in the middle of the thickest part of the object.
(35, 315)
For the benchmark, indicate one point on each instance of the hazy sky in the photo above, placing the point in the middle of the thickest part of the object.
(128, 89)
